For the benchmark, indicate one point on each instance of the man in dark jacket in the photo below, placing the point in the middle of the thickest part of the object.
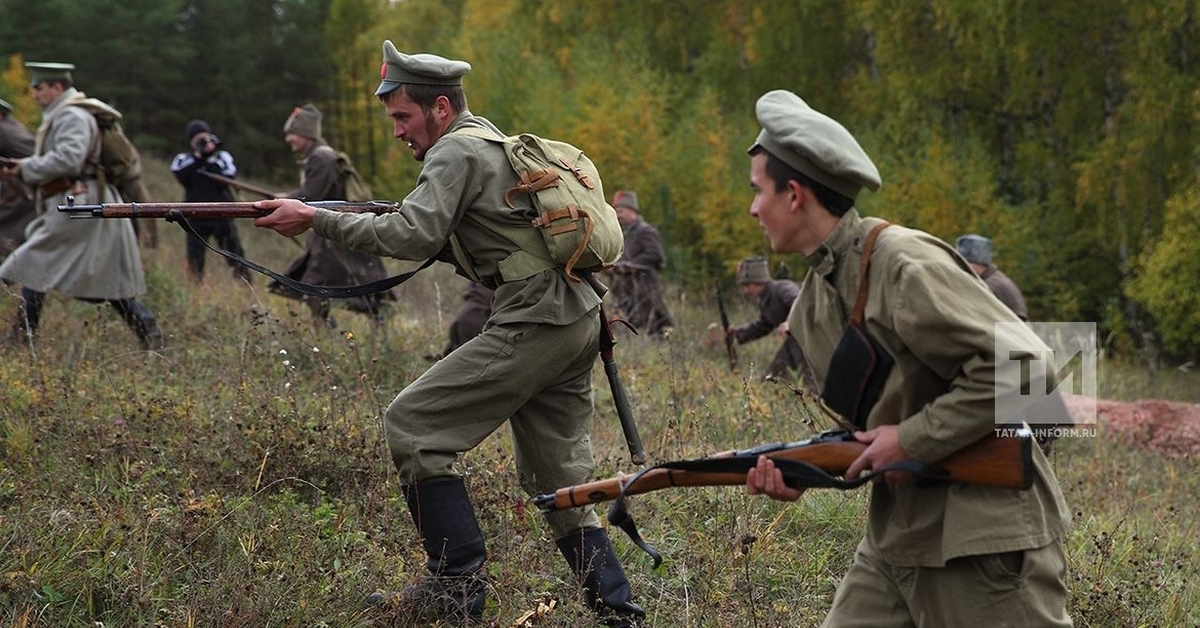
(637, 291)
(16, 199)
(205, 155)
(977, 250)
(326, 262)
(774, 298)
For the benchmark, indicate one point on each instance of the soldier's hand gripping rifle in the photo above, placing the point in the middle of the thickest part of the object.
(818, 462)
(730, 348)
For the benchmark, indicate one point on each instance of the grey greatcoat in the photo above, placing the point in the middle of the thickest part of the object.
(87, 259)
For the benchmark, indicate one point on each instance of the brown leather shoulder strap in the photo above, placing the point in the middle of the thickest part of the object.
(860, 303)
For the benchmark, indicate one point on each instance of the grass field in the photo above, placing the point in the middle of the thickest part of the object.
(240, 478)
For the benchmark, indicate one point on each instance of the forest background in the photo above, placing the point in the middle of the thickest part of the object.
(1065, 131)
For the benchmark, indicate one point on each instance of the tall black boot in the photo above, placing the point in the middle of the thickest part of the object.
(595, 563)
(455, 587)
(142, 322)
(29, 314)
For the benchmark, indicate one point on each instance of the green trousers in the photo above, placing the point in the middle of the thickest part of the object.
(1024, 589)
(537, 377)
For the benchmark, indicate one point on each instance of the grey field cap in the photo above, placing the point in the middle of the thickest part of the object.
(974, 248)
(44, 70)
(814, 144)
(418, 69)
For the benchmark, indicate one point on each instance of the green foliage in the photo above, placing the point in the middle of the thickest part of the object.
(1061, 130)
(1168, 282)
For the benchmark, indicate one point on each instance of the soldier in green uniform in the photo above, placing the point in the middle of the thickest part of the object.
(940, 555)
(531, 366)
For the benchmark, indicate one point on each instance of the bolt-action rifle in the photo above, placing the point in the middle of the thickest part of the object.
(193, 211)
(181, 213)
(818, 462)
(730, 348)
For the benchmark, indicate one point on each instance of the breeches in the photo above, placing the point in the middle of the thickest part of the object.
(538, 377)
(1023, 589)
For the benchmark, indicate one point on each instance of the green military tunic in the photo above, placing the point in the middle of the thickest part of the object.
(531, 365)
(936, 319)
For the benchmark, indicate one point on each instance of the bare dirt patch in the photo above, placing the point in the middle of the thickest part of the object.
(1171, 428)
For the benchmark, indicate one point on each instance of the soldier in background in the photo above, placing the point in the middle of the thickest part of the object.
(774, 299)
(96, 261)
(469, 321)
(326, 262)
(16, 199)
(637, 289)
(977, 250)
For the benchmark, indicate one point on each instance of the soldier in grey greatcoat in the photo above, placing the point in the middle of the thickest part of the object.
(637, 289)
(93, 260)
(530, 367)
(326, 262)
(16, 198)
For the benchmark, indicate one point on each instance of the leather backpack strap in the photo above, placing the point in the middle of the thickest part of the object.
(860, 303)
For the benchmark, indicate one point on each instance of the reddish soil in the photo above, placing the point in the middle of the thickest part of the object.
(1171, 428)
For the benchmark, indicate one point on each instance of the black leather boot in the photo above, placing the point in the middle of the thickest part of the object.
(594, 561)
(142, 322)
(29, 313)
(455, 589)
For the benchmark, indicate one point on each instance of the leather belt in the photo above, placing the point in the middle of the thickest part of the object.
(55, 187)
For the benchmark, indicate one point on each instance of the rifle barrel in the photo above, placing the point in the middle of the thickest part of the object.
(730, 348)
(175, 211)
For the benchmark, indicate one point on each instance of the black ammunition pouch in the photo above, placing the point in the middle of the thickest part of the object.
(856, 376)
(859, 366)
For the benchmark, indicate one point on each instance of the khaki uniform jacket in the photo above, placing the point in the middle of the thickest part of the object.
(88, 259)
(464, 177)
(936, 319)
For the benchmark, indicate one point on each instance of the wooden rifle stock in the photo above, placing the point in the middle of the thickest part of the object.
(997, 461)
(193, 211)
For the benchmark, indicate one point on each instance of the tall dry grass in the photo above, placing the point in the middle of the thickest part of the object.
(240, 478)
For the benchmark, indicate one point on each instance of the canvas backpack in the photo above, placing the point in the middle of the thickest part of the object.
(119, 164)
(575, 227)
(353, 183)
